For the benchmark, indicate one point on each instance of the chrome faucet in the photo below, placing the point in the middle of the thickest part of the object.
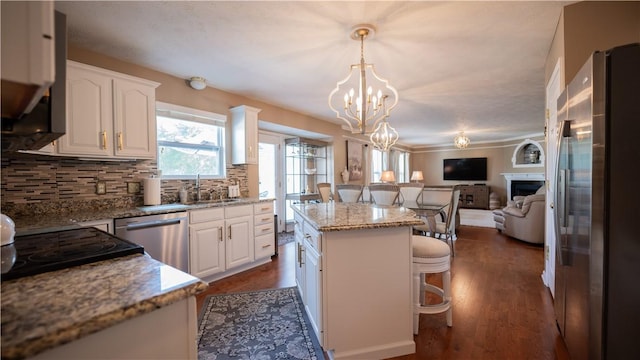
(198, 194)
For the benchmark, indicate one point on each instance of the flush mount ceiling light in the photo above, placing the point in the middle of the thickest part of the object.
(461, 141)
(359, 106)
(197, 83)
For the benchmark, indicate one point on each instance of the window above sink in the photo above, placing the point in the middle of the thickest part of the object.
(190, 142)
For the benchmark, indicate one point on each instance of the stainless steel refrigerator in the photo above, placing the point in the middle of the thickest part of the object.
(597, 206)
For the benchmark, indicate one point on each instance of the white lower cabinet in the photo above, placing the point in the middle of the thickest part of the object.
(239, 241)
(222, 241)
(169, 332)
(264, 230)
(299, 254)
(309, 273)
(338, 294)
(313, 288)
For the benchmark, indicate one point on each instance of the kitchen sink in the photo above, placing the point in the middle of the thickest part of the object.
(215, 201)
(164, 207)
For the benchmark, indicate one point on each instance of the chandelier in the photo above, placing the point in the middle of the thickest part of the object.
(363, 105)
(384, 136)
(461, 141)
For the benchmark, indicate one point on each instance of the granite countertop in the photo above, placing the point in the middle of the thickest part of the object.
(71, 219)
(44, 311)
(336, 216)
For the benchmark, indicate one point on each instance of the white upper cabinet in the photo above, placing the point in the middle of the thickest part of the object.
(28, 52)
(134, 117)
(109, 115)
(244, 135)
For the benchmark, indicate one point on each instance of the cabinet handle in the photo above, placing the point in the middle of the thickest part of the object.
(120, 146)
(266, 246)
(104, 139)
(300, 254)
(229, 232)
(266, 219)
(220, 228)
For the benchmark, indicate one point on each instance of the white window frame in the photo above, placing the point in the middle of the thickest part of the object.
(195, 115)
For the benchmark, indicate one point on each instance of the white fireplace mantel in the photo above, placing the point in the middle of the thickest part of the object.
(522, 177)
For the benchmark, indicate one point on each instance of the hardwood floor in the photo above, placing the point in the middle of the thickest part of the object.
(502, 310)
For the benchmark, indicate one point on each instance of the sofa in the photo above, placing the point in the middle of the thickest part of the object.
(523, 217)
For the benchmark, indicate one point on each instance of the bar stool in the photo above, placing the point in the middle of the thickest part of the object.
(430, 256)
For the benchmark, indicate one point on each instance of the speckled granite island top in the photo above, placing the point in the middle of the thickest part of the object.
(47, 310)
(336, 216)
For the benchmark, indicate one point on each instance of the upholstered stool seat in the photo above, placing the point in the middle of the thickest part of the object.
(430, 256)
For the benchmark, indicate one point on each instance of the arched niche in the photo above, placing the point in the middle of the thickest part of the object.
(528, 153)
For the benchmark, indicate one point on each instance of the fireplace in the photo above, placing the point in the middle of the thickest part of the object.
(522, 183)
(524, 187)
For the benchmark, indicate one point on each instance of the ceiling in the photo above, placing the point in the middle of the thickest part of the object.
(473, 66)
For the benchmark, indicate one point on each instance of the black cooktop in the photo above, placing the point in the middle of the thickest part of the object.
(39, 253)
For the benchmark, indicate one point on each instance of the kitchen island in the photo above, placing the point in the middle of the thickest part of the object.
(354, 274)
(128, 307)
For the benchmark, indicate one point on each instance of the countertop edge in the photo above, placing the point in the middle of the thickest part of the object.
(32, 347)
(27, 346)
(329, 228)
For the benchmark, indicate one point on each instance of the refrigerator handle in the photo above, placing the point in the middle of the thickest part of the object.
(562, 186)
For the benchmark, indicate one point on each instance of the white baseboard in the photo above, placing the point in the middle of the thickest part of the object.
(475, 217)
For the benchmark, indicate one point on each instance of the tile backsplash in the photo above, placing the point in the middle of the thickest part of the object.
(39, 184)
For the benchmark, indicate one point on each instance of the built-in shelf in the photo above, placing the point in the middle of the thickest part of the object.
(528, 153)
(306, 166)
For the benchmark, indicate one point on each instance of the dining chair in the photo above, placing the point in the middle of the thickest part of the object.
(349, 193)
(410, 191)
(324, 189)
(448, 228)
(384, 194)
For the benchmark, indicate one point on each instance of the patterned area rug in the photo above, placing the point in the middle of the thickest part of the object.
(268, 324)
(285, 238)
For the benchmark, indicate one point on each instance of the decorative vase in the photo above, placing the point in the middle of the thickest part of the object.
(345, 175)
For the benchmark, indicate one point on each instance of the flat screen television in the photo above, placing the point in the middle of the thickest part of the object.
(465, 169)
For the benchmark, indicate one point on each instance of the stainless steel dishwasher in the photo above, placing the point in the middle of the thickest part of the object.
(164, 237)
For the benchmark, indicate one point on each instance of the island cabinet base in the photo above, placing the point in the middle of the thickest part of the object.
(366, 297)
(166, 333)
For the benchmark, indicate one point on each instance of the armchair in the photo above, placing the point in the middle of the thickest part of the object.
(524, 218)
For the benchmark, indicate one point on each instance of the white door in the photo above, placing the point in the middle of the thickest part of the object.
(270, 172)
(553, 92)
